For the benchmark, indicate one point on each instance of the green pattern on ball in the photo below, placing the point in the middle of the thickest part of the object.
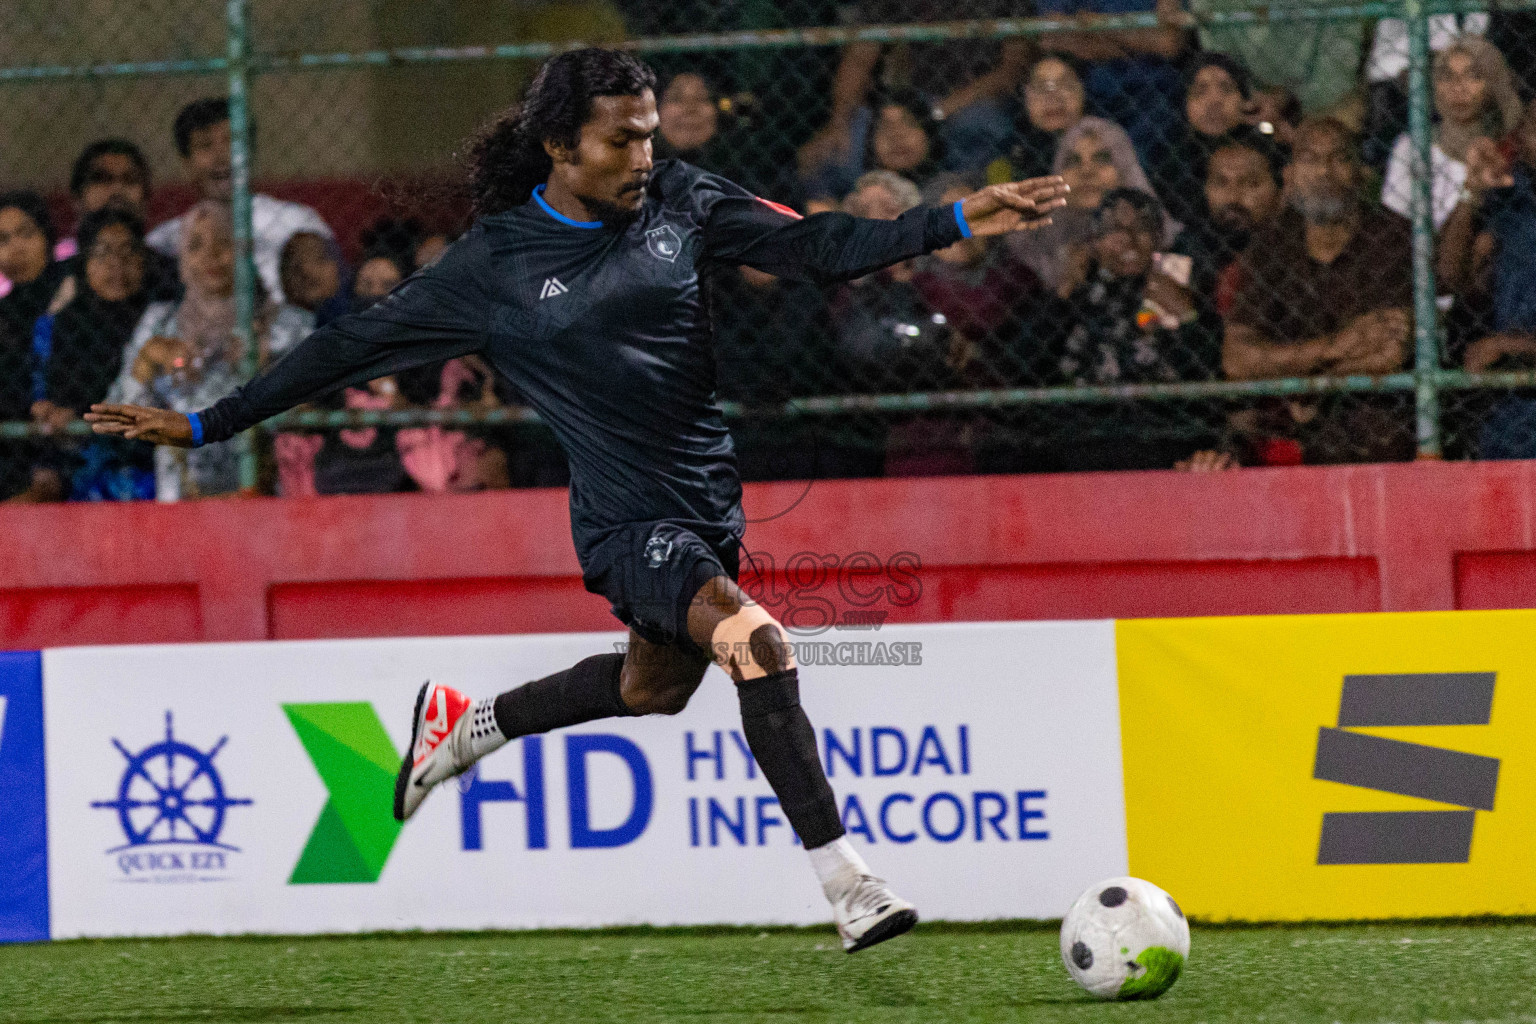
(1162, 970)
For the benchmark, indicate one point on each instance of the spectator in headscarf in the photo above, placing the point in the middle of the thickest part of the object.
(185, 355)
(78, 353)
(1475, 98)
(1217, 95)
(26, 247)
(1093, 156)
(1485, 252)
(89, 334)
(1386, 74)
(1133, 324)
(26, 257)
(1052, 102)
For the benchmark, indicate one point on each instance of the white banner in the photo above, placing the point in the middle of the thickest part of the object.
(229, 788)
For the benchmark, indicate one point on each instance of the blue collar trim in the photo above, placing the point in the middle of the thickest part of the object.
(538, 197)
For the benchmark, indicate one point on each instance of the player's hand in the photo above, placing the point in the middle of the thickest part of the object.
(137, 423)
(998, 209)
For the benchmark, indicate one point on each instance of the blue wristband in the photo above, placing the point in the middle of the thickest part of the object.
(965, 229)
(197, 429)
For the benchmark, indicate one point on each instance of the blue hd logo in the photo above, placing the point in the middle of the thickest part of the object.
(172, 807)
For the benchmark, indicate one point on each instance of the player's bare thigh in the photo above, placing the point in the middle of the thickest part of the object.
(659, 679)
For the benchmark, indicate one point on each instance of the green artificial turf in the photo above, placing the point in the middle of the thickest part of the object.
(1371, 973)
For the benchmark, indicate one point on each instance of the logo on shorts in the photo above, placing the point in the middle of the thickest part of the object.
(664, 243)
(657, 551)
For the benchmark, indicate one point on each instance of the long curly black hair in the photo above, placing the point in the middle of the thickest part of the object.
(507, 159)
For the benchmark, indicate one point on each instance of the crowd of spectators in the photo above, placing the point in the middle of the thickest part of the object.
(120, 314)
(1220, 225)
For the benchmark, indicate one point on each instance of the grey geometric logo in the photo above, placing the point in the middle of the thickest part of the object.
(1411, 769)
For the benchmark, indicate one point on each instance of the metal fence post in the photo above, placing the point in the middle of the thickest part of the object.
(240, 202)
(1426, 345)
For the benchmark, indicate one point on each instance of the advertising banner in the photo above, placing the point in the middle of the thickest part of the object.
(229, 788)
(1333, 766)
(23, 818)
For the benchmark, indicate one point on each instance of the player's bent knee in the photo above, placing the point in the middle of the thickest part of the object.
(668, 702)
(660, 694)
(752, 643)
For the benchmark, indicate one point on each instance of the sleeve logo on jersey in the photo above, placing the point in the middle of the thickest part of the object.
(664, 243)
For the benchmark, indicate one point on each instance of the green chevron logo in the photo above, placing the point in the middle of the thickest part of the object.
(357, 762)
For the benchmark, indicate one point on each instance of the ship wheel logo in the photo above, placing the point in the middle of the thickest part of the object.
(171, 793)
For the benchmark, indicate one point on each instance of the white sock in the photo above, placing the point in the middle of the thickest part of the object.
(836, 864)
(484, 734)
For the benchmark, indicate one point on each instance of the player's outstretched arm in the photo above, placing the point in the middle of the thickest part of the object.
(138, 423)
(836, 246)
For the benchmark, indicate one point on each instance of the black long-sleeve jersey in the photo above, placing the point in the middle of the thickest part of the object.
(605, 332)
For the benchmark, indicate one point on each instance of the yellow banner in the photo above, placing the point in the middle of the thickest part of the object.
(1333, 766)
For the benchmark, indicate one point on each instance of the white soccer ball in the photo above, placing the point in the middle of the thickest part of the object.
(1125, 939)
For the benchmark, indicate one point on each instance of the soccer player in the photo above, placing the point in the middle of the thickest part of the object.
(580, 281)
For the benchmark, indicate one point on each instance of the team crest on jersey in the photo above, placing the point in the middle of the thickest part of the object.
(664, 243)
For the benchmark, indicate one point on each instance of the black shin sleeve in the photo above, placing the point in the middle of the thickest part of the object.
(587, 690)
(784, 744)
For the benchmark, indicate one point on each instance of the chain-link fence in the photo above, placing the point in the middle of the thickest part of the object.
(1296, 233)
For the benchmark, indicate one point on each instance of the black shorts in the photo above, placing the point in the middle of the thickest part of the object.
(650, 573)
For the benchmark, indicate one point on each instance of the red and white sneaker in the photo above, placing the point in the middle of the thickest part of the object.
(438, 751)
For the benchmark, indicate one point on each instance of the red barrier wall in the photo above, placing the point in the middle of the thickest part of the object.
(1353, 538)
